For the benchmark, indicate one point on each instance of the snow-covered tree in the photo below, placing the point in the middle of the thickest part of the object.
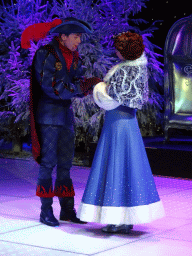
(107, 17)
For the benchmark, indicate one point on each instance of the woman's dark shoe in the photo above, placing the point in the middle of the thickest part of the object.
(109, 228)
(123, 229)
(47, 218)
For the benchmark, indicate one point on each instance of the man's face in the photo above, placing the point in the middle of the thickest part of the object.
(71, 41)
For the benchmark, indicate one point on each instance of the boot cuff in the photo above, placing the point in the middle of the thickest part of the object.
(64, 188)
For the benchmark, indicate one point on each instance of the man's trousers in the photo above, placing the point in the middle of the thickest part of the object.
(57, 149)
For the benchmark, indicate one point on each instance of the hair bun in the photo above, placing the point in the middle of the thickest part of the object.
(130, 45)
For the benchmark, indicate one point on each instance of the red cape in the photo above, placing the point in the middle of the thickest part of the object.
(33, 105)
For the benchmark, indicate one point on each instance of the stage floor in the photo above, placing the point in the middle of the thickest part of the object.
(21, 233)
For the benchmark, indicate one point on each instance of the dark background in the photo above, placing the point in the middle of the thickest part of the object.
(169, 11)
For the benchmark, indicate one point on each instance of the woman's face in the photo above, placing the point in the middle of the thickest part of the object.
(119, 55)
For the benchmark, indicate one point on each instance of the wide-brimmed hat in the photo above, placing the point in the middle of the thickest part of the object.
(72, 25)
(102, 99)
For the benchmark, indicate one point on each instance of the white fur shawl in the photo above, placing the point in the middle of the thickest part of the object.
(125, 84)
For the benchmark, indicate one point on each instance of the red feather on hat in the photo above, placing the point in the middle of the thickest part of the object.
(36, 32)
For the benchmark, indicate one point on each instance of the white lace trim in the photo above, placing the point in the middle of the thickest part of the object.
(125, 84)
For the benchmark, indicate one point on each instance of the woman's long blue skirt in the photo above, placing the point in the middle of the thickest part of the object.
(120, 188)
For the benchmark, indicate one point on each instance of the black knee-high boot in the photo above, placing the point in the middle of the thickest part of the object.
(46, 215)
(68, 212)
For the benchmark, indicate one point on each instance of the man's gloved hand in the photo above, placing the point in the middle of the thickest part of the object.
(86, 84)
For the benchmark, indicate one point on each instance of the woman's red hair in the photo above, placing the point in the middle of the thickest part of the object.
(130, 45)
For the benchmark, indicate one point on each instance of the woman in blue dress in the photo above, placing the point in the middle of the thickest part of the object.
(120, 190)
